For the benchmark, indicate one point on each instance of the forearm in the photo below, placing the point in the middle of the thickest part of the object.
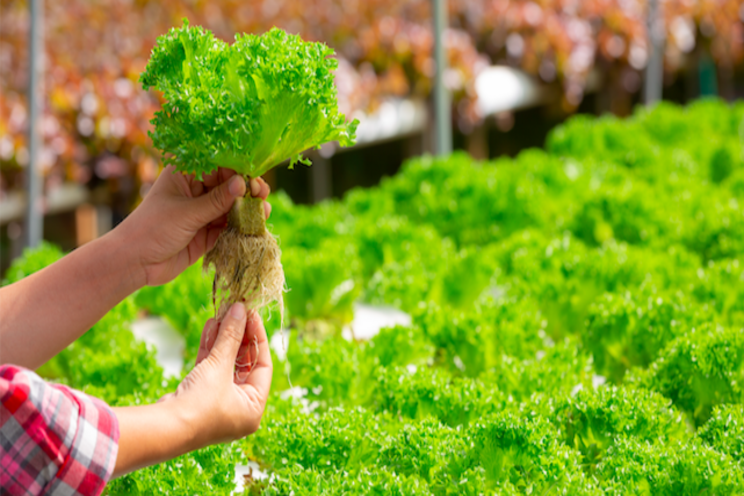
(152, 434)
(43, 313)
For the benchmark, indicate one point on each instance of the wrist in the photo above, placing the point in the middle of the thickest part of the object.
(122, 247)
(190, 421)
(151, 434)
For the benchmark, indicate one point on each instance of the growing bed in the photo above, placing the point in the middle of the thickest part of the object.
(576, 326)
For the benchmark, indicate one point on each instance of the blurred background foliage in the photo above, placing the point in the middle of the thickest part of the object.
(96, 116)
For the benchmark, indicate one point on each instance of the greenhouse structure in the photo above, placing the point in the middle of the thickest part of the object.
(329, 247)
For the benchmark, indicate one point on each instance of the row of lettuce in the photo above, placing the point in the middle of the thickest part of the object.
(577, 320)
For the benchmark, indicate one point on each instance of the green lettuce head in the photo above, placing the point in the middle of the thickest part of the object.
(248, 106)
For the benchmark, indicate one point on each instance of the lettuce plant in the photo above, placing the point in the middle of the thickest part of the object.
(249, 107)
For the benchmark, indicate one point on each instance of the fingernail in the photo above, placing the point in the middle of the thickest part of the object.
(254, 317)
(255, 187)
(235, 188)
(238, 311)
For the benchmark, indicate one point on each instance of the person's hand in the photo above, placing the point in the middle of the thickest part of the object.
(180, 218)
(222, 398)
(228, 388)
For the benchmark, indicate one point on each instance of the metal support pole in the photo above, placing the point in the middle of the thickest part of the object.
(321, 180)
(34, 231)
(442, 105)
(655, 68)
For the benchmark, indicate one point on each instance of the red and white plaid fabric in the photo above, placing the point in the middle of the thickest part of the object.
(53, 440)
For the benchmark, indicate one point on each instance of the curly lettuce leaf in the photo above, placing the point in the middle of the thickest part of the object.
(248, 106)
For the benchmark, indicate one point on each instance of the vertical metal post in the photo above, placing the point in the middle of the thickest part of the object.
(442, 105)
(321, 180)
(34, 231)
(655, 68)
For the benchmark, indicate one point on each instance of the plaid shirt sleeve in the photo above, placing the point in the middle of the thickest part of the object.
(53, 440)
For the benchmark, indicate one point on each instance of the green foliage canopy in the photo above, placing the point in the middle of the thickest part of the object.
(248, 106)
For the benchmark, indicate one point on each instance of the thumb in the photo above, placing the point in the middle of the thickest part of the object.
(217, 202)
(230, 336)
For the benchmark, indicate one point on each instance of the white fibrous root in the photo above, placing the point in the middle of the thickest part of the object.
(247, 261)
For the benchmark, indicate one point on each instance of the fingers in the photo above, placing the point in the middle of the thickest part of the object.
(220, 221)
(255, 188)
(212, 180)
(247, 358)
(212, 234)
(226, 174)
(170, 182)
(260, 377)
(218, 177)
(198, 245)
(218, 191)
(229, 337)
(197, 188)
(259, 188)
(202, 242)
(207, 340)
(206, 208)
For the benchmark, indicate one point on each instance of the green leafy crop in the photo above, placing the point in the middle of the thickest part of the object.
(725, 431)
(247, 106)
(630, 329)
(700, 370)
(614, 257)
(525, 452)
(420, 393)
(639, 467)
(593, 420)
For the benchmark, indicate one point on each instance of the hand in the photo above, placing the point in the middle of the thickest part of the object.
(229, 386)
(215, 403)
(180, 218)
